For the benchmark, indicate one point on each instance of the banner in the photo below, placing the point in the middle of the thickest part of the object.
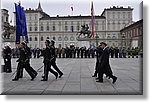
(21, 29)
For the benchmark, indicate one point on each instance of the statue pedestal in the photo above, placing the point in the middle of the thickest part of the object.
(11, 41)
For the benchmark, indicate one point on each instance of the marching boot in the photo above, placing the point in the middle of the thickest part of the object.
(114, 79)
(44, 79)
(95, 75)
(15, 79)
(56, 75)
(100, 81)
(60, 75)
(107, 76)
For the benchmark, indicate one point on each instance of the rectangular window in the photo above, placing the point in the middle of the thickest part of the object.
(47, 28)
(35, 28)
(66, 28)
(72, 29)
(78, 28)
(41, 28)
(103, 27)
(123, 14)
(30, 28)
(54, 28)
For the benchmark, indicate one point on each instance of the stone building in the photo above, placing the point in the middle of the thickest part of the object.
(63, 29)
(133, 35)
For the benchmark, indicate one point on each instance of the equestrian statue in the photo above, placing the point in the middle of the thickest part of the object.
(84, 31)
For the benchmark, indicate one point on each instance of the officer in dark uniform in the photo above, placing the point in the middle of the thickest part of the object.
(34, 52)
(92, 52)
(7, 59)
(74, 52)
(104, 66)
(48, 57)
(99, 51)
(23, 63)
(81, 49)
(88, 52)
(78, 52)
(112, 52)
(53, 62)
(38, 52)
(29, 54)
(116, 52)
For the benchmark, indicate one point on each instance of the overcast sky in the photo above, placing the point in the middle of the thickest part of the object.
(63, 7)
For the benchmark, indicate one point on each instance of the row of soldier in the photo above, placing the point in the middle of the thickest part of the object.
(83, 52)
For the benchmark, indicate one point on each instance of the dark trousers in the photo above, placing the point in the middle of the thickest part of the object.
(55, 67)
(112, 55)
(78, 55)
(101, 72)
(31, 69)
(27, 67)
(96, 69)
(7, 66)
(47, 68)
(59, 55)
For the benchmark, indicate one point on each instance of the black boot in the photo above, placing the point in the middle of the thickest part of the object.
(56, 75)
(44, 80)
(114, 79)
(15, 79)
(100, 81)
(60, 75)
(95, 75)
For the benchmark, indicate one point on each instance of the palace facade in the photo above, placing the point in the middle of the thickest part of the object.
(63, 29)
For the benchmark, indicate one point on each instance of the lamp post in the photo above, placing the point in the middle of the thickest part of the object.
(123, 39)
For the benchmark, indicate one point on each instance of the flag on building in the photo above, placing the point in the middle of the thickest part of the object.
(21, 29)
(92, 19)
(71, 7)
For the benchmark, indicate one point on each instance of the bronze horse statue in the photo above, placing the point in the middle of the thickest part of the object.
(84, 31)
(7, 31)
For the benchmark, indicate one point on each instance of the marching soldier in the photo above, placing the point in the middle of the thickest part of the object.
(104, 66)
(29, 54)
(53, 62)
(99, 51)
(48, 57)
(24, 63)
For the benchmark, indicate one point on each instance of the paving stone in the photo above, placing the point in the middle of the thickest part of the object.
(77, 79)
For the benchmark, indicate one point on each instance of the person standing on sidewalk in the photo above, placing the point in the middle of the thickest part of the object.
(7, 58)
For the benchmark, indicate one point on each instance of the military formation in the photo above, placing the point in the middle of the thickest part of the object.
(50, 53)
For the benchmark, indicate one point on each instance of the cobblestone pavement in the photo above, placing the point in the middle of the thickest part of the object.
(77, 78)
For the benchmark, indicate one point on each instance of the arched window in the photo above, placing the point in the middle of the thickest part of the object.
(71, 38)
(30, 28)
(59, 38)
(108, 37)
(54, 38)
(30, 38)
(35, 38)
(42, 38)
(66, 38)
(41, 28)
(114, 37)
(35, 28)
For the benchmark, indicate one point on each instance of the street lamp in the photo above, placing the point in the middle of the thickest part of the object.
(123, 39)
